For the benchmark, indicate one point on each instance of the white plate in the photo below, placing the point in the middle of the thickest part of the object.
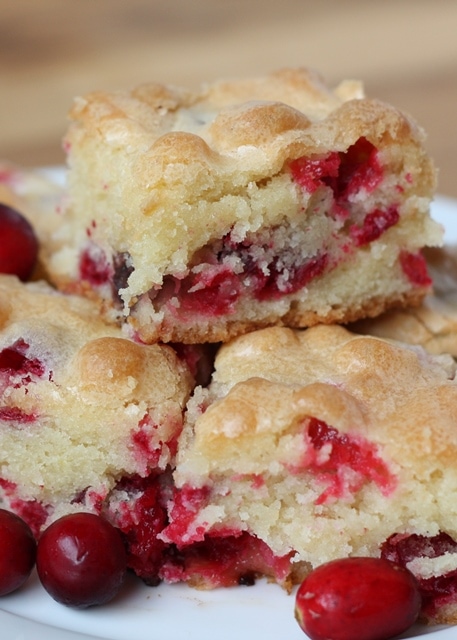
(178, 612)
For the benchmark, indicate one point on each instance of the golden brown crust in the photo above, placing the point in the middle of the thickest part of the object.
(357, 383)
(295, 318)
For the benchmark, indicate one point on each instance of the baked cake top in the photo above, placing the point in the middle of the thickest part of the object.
(267, 383)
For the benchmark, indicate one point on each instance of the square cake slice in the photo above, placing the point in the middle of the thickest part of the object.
(87, 416)
(196, 216)
(320, 444)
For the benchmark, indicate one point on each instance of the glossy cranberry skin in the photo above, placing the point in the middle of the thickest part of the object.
(357, 598)
(18, 244)
(17, 552)
(81, 560)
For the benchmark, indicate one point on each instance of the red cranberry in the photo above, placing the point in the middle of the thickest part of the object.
(17, 552)
(363, 598)
(374, 225)
(415, 269)
(81, 560)
(19, 245)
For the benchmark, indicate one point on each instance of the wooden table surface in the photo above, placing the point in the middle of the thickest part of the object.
(405, 52)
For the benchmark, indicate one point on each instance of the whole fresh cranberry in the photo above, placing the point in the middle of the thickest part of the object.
(17, 552)
(81, 560)
(18, 244)
(363, 598)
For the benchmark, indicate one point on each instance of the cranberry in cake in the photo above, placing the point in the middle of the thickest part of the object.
(195, 216)
(433, 324)
(83, 409)
(314, 445)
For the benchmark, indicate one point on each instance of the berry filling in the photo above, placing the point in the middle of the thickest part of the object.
(94, 267)
(279, 280)
(138, 508)
(16, 415)
(215, 290)
(7, 487)
(15, 364)
(212, 291)
(415, 268)
(17, 369)
(147, 445)
(199, 359)
(159, 550)
(140, 515)
(345, 173)
(91, 499)
(374, 225)
(436, 591)
(312, 173)
(342, 463)
(225, 560)
(186, 504)
(32, 512)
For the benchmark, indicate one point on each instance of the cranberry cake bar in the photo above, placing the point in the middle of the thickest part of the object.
(433, 324)
(319, 444)
(85, 413)
(196, 216)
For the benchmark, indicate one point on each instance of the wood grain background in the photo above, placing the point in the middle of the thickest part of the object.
(405, 51)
